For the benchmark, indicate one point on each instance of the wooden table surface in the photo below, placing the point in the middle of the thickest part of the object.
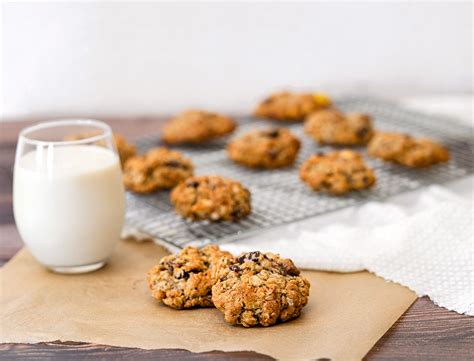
(425, 331)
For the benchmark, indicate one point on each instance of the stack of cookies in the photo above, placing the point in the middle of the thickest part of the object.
(254, 289)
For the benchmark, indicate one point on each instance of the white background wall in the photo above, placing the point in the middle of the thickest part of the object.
(142, 58)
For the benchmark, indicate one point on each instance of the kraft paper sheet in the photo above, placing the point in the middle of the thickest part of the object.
(346, 314)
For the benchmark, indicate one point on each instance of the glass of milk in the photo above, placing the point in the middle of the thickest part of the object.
(68, 195)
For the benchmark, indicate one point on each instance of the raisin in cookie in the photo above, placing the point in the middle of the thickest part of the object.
(159, 168)
(259, 289)
(406, 150)
(291, 106)
(185, 280)
(333, 127)
(271, 148)
(337, 172)
(211, 198)
(125, 150)
(197, 126)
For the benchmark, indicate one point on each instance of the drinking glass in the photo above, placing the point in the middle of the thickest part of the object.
(68, 195)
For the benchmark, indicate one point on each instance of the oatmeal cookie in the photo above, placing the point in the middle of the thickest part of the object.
(125, 150)
(289, 106)
(197, 126)
(259, 289)
(270, 148)
(211, 197)
(337, 172)
(406, 150)
(185, 280)
(159, 168)
(333, 127)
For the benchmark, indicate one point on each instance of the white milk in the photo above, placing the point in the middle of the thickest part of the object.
(69, 208)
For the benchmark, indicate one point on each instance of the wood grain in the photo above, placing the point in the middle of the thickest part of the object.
(83, 351)
(424, 332)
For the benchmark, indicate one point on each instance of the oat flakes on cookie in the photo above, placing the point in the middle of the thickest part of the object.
(337, 172)
(290, 106)
(269, 148)
(333, 127)
(406, 150)
(211, 198)
(125, 150)
(185, 280)
(197, 126)
(259, 289)
(159, 168)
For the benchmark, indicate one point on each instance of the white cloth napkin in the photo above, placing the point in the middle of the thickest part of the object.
(424, 243)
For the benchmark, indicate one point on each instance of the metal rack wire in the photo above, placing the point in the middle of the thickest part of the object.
(279, 197)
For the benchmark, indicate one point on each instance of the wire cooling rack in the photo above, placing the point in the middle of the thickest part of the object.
(279, 197)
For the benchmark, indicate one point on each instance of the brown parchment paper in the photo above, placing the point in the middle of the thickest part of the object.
(346, 314)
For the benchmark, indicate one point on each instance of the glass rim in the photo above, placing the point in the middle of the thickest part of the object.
(107, 131)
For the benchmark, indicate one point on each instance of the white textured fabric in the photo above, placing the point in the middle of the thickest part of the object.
(423, 242)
